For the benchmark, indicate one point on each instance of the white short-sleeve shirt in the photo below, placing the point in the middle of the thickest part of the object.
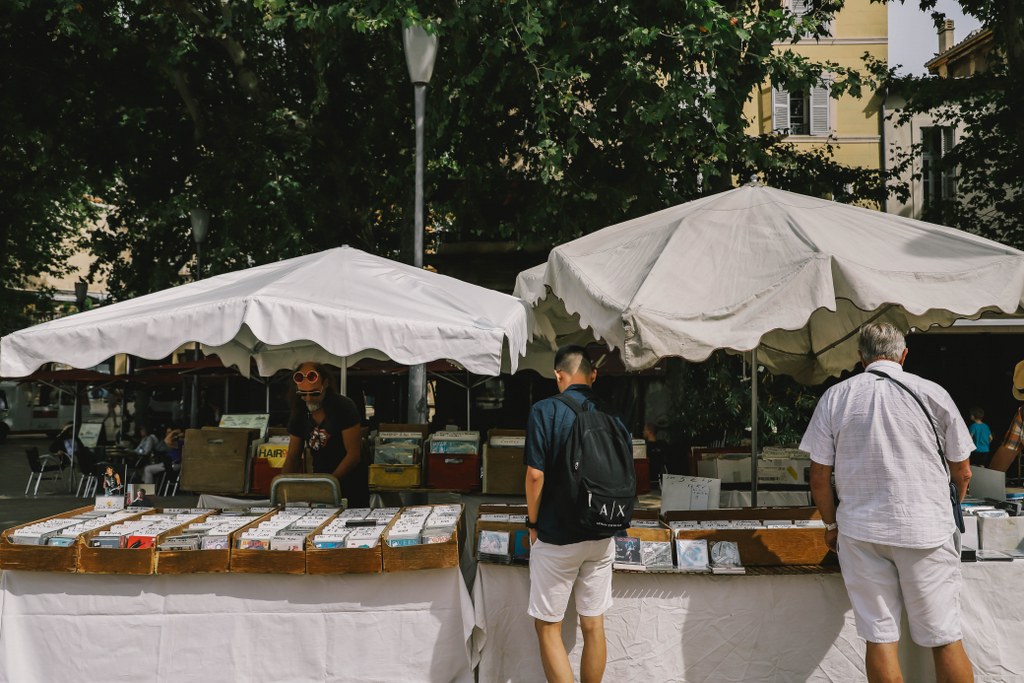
(892, 487)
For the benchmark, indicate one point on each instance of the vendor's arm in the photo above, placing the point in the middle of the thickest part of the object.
(534, 488)
(960, 474)
(293, 459)
(821, 491)
(1004, 456)
(353, 439)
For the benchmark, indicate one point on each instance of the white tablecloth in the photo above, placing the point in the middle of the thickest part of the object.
(406, 626)
(739, 628)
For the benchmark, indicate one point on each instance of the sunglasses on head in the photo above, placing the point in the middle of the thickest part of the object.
(310, 376)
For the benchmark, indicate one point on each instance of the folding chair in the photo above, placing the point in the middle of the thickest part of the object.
(40, 466)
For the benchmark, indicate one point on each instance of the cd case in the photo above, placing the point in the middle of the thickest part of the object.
(692, 555)
(493, 546)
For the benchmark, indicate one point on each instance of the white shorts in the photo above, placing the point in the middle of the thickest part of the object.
(556, 569)
(883, 579)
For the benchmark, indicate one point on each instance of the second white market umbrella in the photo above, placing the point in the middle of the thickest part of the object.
(786, 277)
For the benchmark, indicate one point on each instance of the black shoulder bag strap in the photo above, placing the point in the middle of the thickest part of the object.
(953, 493)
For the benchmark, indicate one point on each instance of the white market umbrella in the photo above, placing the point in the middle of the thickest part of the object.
(791, 276)
(786, 277)
(334, 306)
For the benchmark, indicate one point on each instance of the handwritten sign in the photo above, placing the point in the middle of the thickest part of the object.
(679, 492)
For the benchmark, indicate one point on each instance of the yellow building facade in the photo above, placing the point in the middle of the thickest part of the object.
(811, 119)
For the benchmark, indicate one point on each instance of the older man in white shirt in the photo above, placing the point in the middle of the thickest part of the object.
(897, 541)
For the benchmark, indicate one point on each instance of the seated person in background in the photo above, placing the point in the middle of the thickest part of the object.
(329, 425)
(174, 440)
(147, 443)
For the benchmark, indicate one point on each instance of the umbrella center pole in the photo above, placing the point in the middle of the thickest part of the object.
(753, 427)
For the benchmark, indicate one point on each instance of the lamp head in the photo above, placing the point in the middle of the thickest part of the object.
(420, 51)
(200, 224)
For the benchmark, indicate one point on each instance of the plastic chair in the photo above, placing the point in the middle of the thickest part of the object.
(88, 468)
(170, 476)
(40, 466)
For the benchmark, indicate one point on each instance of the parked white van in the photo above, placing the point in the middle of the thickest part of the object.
(31, 407)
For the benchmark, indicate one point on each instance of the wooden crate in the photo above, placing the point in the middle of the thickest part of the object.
(270, 561)
(344, 560)
(134, 561)
(426, 555)
(763, 547)
(43, 558)
(199, 561)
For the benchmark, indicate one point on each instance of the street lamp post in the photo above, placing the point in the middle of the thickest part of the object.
(200, 226)
(420, 51)
(81, 294)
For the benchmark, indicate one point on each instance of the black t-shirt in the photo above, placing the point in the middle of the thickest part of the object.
(325, 440)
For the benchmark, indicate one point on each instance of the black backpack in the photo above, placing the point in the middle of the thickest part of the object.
(601, 479)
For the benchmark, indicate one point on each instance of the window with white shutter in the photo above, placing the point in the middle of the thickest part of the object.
(939, 181)
(780, 110)
(819, 107)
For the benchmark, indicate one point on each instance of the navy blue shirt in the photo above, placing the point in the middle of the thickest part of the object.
(547, 431)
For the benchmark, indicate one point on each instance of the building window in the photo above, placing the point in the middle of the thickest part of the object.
(799, 7)
(938, 179)
(801, 113)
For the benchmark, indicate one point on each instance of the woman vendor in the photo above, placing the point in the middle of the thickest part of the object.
(329, 425)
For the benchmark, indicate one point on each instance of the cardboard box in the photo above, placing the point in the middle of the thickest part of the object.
(456, 472)
(734, 468)
(216, 460)
(1001, 533)
(395, 476)
(763, 547)
(504, 469)
(729, 468)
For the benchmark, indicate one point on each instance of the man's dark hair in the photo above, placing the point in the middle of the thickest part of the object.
(572, 358)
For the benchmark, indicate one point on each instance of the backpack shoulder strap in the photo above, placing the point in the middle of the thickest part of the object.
(574, 405)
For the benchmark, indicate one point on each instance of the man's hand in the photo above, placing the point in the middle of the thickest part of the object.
(533, 536)
(832, 539)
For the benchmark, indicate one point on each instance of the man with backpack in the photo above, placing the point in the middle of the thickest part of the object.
(580, 490)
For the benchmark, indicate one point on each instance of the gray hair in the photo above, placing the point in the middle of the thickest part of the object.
(881, 341)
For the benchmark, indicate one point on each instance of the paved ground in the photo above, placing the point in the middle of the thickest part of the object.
(54, 497)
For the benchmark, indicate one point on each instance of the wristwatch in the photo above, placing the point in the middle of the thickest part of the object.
(831, 527)
(530, 525)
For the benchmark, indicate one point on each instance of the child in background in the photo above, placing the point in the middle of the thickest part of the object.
(982, 436)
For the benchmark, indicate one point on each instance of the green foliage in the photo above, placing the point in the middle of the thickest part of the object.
(711, 401)
(291, 121)
(988, 159)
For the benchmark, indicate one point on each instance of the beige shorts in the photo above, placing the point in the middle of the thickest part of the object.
(556, 569)
(882, 580)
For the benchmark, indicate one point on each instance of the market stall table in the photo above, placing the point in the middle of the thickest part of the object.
(405, 626)
(800, 627)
